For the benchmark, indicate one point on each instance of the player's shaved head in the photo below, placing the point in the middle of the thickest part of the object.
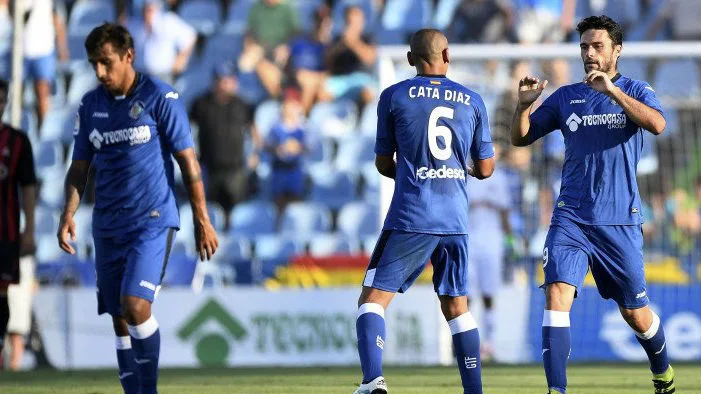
(428, 45)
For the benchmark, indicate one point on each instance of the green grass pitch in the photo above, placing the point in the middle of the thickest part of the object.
(585, 379)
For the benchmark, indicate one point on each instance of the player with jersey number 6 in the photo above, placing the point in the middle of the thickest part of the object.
(435, 126)
(127, 129)
(597, 222)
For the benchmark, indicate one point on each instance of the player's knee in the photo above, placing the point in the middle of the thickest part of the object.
(453, 307)
(135, 310)
(638, 319)
(120, 326)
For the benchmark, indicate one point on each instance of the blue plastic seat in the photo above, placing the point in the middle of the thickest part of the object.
(266, 116)
(273, 251)
(58, 125)
(87, 14)
(332, 188)
(253, 218)
(48, 157)
(353, 151)
(203, 15)
(358, 219)
(45, 220)
(237, 16)
(678, 79)
(329, 244)
(303, 219)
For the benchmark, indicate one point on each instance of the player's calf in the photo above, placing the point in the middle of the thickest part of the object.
(145, 340)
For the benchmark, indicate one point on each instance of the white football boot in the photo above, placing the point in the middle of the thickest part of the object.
(375, 386)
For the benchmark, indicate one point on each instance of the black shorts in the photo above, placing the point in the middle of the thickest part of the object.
(9, 263)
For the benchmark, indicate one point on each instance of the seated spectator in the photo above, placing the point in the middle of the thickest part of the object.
(306, 63)
(163, 42)
(349, 60)
(287, 143)
(482, 21)
(545, 20)
(272, 23)
(681, 18)
(260, 77)
(225, 124)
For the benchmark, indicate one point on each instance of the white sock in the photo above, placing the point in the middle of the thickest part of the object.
(145, 329)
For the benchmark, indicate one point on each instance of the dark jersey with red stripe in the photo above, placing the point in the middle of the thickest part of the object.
(16, 170)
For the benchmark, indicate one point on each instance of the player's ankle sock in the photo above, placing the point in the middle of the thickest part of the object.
(128, 369)
(466, 340)
(556, 348)
(488, 319)
(370, 328)
(653, 341)
(146, 342)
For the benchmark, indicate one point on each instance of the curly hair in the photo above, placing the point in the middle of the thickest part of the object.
(602, 22)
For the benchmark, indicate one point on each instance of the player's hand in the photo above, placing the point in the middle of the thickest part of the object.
(529, 89)
(206, 239)
(66, 233)
(599, 81)
(27, 244)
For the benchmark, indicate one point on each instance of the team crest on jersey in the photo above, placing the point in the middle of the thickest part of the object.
(136, 110)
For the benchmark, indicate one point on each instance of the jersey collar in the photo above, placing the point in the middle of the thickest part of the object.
(431, 75)
(616, 77)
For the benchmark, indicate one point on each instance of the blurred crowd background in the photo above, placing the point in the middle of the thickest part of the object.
(282, 99)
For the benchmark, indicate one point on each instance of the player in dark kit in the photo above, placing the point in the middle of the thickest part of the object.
(17, 182)
(127, 129)
(435, 126)
(597, 222)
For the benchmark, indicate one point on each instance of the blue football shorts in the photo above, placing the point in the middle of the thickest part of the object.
(614, 254)
(399, 258)
(131, 265)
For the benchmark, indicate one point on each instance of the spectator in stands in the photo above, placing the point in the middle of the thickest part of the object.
(44, 32)
(306, 63)
(272, 23)
(164, 42)
(287, 143)
(483, 21)
(260, 77)
(545, 20)
(225, 124)
(349, 60)
(18, 183)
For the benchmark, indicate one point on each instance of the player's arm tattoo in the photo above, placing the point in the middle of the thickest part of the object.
(192, 176)
(74, 186)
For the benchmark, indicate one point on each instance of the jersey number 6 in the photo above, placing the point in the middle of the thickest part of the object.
(435, 131)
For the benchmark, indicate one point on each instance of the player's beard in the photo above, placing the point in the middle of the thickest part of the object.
(604, 65)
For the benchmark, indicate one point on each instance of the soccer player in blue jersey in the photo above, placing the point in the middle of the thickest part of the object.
(127, 129)
(597, 219)
(434, 126)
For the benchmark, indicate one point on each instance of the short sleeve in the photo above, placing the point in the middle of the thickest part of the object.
(385, 142)
(545, 118)
(646, 95)
(172, 122)
(481, 147)
(82, 149)
(25, 173)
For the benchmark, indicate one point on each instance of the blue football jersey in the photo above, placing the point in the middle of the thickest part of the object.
(602, 150)
(129, 141)
(435, 126)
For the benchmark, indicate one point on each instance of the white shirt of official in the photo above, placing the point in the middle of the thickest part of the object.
(156, 50)
(39, 33)
(485, 221)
